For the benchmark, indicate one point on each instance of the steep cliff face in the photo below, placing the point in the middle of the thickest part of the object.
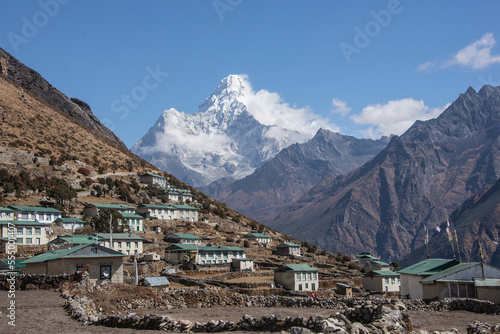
(416, 180)
(295, 170)
(31, 81)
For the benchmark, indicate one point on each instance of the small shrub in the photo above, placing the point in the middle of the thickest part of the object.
(84, 171)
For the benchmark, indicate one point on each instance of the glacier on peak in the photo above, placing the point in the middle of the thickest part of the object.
(234, 132)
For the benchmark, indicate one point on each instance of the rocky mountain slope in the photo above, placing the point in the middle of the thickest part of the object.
(30, 80)
(233, 145)
(295, 170)
(477, 220)
(416, 180)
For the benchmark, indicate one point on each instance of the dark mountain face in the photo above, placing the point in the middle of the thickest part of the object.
(417, 179)
(30, 80)
(295, 170)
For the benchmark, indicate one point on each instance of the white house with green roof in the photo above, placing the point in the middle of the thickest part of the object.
(169, 212)
(36, 213)
(91, 209)
(70, 223)
(259, 237)
(134, 221)
(178, 253)
(155, 179)
(126, 243)
(101, 263)
(26, 232)
(288, 248)
(297, 277)
(382, 280)
(6, 213)
(412, 275)
(182, 238)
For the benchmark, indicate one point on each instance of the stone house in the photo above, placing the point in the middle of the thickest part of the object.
(259, 237)
(155, 179)
(288, 248)
(70, 223)
(178, 253)
(26, 232)
(297, 277)
(381, 280)
(101, 263)
(460, 281)
(411, 276)
(182, 238)
(37, 213)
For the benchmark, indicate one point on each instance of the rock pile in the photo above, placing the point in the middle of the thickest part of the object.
(480, 328)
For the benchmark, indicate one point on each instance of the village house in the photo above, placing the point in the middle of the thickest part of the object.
(288, 248)
(182, 238)
(178, 253)
(368, 266)
(126, 243)
(412, 275)
(66, 241)
(259, 237)
(133, 221)
(6, 214)
(27, 232)
(92, 209)
(155, 179)
(242, 264)
(101, 263)
(460, 281)
(70, 223)
(169, 212)
(36, 213)
(297, 277)
(381, 280)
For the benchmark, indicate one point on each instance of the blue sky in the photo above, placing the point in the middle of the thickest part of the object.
(366, 68)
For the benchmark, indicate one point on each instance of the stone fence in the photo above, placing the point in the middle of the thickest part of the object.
(33, 282)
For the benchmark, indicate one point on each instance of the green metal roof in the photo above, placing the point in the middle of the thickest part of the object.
(494, 282)
(24, 223)
(121, 236)
(110, 206)
(33, 208)
(184, 207)
(377, 263)
(154, 206)
(288, 244)
(184, 235)
(131, 215)
(219, 248)
(191, 247)
(2, 208)
(256, 235)
(69, 220)
(449, 271)
(69, 253)
(78, 239)
(155, 175)
(187, 247)
(428, 267)
(297, 268)
(382, 273)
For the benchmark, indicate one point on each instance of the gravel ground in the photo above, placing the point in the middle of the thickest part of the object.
(41, 310)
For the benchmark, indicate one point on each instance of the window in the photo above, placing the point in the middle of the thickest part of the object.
(210, 255)
(300, 287)
(225, 255)
(106, 271)
(128, 244)
(38, 231)
(203, 255)
(136, 244)
(37, 241)
(398, 280)
(119, 244)
(81, 268)
(387, 280)
(49, 216)
(303, 276)
(315, 276)
(386, 288)
(24, 215)
(309, 276)
(29, 241)
(313, 286)
(20, 230)
(93, 250)
(29, 230)
(19, 240)
(298, 277)
(393, 280)
(307, 285)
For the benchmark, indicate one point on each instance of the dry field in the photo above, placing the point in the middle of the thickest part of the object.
(42, 310)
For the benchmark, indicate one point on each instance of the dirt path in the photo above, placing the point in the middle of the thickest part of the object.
(42, 311)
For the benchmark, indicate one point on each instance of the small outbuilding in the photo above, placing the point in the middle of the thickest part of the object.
(160, 281)
(242, 264)
(381, 280)
(288, 248)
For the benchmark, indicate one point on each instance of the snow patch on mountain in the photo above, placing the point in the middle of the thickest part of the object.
(235, 131)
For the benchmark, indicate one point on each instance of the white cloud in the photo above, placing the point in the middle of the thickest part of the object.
(340, 107)
(270, 109)
(394, 117)
(476, 55)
